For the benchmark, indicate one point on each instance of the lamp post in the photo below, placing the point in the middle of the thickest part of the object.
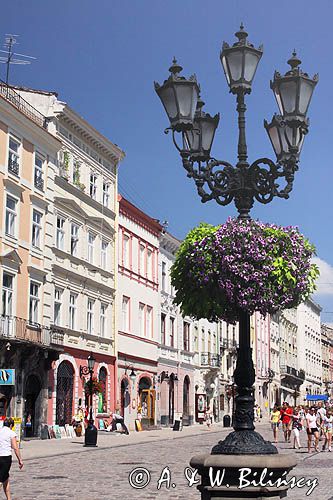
(90, 437)
(243, 183)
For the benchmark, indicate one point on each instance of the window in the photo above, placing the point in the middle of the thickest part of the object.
(149, 323)
(149, 264)
(163, 321)
(72, 311)
(34, 302)
(102, 320)
(196, 339)
(106, 194)
(93, 186)
(125, 314)
(91, 241)
(186, 336)
(90, 316)
(38, 176)
(7, 294)
(74, 238)
(172, 332)
(126, 259)
(13, 155)
(141, 319)
(60, 236)
(164, 276)
(104, 254)
(142, 259)
(36, 228)
(11, 213)
(57, 306)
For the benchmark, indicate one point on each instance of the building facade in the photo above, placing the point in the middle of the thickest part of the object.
(178, 342)
(28, 158)
(309, 347)
(138, 320)
(83, 222)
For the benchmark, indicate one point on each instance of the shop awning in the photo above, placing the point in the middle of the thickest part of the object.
(316, 397)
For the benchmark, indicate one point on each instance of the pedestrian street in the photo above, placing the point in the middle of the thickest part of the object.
(104, 473)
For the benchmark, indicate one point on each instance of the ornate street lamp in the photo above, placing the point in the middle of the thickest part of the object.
(242, 183)
(90, 437)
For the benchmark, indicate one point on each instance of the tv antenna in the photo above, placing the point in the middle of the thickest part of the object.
(12, 57)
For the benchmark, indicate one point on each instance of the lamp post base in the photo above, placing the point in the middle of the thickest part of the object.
(90, 437)
(233, 476)
(244, 442)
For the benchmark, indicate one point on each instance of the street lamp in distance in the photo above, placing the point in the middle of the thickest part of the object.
(90, 436)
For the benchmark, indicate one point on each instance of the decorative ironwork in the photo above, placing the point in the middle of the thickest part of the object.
(244, 443)
(64, 401)
(13, 166)
(21, 329)
(210, 359)
(22, 105)
(39, 182)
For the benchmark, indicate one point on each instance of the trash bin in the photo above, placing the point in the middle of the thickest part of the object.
(226, 421)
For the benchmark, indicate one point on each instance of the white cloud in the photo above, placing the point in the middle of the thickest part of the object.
(325, 280)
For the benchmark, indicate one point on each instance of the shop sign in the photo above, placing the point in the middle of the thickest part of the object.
(7, 376)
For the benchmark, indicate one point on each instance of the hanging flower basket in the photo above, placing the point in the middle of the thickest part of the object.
(242, 265)
(97, 386)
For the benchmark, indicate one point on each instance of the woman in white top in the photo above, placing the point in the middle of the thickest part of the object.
(7, 444)
(312, 429)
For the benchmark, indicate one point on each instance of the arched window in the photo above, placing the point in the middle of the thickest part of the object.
(65, 385)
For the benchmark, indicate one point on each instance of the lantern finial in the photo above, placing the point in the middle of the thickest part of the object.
(241, 34)
(294, 61)
(175, 68)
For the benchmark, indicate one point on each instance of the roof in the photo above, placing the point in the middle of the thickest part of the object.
(141, 218)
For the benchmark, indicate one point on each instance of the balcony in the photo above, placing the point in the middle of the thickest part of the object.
(13, 328)
(228, 344)
(210, 360)
(38, 181)
(13, 166)
(291, 373)
(9, 94)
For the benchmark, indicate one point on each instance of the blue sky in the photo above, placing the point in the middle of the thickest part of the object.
(103, 57)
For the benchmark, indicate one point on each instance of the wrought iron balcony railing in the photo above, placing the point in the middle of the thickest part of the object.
(39, 183)
(210, 359)
(13, 166)
(12, 327)
(8, 93)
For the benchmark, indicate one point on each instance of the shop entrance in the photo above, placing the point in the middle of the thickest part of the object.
(32, 406)
(147, 398)
(64, 402)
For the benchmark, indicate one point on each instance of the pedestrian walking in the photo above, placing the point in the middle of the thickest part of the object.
(8, 443)
(209, 417)
(312, 429)
(286, 413)
(275, 421)
(327, 425)
(297, 426)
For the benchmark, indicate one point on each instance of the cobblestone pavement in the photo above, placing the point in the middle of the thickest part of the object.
(103, 473)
